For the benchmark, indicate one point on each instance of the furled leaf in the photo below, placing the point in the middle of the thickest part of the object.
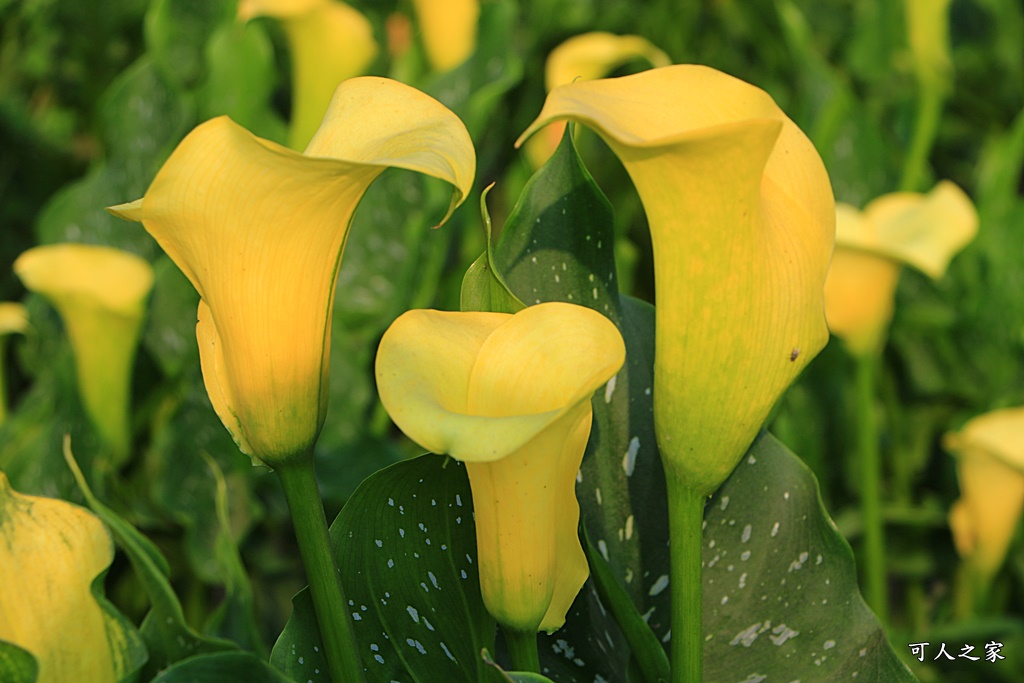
(222, 666)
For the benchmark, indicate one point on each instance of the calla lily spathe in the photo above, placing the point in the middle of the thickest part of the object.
(509, 395)
(990, 467)
(586, 57)
(449, 30)
(921, 230)
(742, 219)
(100, 293)
(259, 231)
(329, 42)
(50, 553)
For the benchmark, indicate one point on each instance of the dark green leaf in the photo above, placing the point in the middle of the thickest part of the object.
(780, 586)
(220, 667)
(405, 544)
(176, 35)
(16, 664)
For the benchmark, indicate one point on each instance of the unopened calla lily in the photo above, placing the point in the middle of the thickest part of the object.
(50, 553)
(990, 467)
(449, 30)
(924, 231)
(259, 231)
(100, 293)
(509, 395)
(329, 41)
(742, 218)
(586, 57)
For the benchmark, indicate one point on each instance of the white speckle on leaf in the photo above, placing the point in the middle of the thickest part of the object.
(414, 613)
(829, 644)
(745, 536)
(603, 547)
(629, 527)
(609, 389)
(629, 459)
(775, 529)
(782, 633)
(659, 585)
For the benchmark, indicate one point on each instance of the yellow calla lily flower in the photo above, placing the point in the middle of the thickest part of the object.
(259, 231)
(921, 230)
(100, 293)
(741, 216)
(449, 29)
(586, 57)
(509, 395)
(50, 553)
(329, 41)
(990, 466)
(13, 320)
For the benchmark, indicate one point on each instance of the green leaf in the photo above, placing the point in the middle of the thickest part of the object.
(168, 638)
(222, 666)
(176, 35)
(513, 676)
(780, 585)
(483, 287)
(17, 665)
(405, 544)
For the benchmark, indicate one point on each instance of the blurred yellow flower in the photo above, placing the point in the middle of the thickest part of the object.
(990, 466)
(329, 41)
(742, 222)
(449, 29)
(100, 293)
(928, 35)
(921, 230)
(259, 231)
(13, 320)
(509, 395)
(586, 57)
(51, 553)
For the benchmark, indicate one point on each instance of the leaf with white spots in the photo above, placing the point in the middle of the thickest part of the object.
(405, 544)
(780, 588)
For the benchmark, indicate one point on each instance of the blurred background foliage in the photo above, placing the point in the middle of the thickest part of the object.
(93, 100)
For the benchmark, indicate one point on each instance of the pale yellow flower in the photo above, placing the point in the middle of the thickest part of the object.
(509, 395)
(921, 230)
(742, 219)
(100, 293)
(259, 231)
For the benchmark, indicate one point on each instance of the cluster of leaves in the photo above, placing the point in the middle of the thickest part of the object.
(91, 103)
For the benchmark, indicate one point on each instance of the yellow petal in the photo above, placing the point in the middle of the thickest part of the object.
(924, 231)
(510, 395)
(282, 9)
(100, 294)
(742, 224)
(586, 57)
(259, 230)
(990, 467)
(449, 29)
(50, 553)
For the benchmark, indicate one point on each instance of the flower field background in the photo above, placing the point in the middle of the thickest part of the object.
(895, 97)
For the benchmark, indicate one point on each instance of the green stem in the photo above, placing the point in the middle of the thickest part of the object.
(926, 127)
(522, 649)
(870, 462)
(685, 525)
(332, 614)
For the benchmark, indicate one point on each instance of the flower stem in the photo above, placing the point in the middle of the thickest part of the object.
(300, 490)
(926, 126)
(685, 525)
(870, 462)
(522, 649)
